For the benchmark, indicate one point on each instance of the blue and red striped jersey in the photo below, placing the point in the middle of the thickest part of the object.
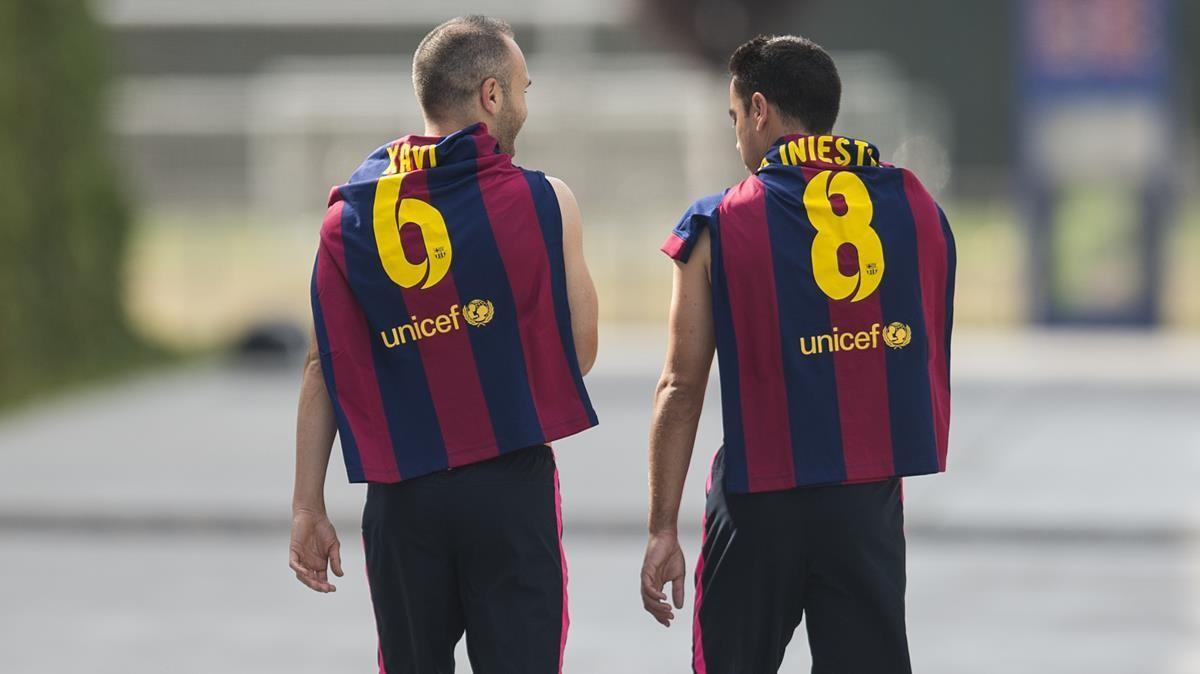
(439, 298)
(832, 293)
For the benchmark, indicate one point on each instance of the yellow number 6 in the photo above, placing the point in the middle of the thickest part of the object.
(388, 218)
(852, 227)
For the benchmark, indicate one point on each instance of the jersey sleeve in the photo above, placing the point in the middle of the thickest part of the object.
(682, 238)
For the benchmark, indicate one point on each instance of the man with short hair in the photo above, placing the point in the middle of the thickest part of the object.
(454, 318)
(825, 282)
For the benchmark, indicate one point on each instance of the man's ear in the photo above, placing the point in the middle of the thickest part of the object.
(491, 96)
(759, 111)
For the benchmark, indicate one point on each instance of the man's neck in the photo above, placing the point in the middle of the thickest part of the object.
(445, 127)
(792, 131)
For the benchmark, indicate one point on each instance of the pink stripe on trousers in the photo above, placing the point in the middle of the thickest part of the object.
(698, 665)
(562, 555)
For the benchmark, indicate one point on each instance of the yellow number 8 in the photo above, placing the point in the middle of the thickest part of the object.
(388, 218)
(833, 231)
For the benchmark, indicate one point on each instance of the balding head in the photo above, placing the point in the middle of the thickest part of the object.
(459, 63)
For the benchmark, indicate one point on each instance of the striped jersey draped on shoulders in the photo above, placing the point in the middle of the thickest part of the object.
(698, 216)
(832, 293)
(440, 305)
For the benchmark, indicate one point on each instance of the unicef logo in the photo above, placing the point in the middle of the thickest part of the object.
(897, 335)
(479, 312)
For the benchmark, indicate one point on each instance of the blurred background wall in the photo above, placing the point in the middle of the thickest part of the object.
(234, 118)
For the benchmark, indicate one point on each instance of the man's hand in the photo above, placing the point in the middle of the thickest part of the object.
(664, 562)
(314, 547)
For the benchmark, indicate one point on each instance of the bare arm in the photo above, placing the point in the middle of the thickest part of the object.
(315, 430)
(314, 542)
(680, 394)
(677, 405)
(581, 292)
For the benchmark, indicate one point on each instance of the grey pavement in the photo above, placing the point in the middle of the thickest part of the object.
(143, 524)
(213, 604)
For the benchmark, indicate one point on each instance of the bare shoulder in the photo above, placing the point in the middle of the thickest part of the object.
(563, 191)
(566, 203)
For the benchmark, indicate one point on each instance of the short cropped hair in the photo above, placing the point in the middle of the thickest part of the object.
(454, 58)
(793, 73)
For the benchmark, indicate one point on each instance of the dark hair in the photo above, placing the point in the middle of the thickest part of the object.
(794, 74)
(454, 58)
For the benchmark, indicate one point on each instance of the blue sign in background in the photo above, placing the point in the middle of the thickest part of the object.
(1108, 65)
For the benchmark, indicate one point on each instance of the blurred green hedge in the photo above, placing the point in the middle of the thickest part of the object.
(63, 221)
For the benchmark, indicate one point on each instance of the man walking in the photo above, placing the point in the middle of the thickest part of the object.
(825, 283)
(454, 318)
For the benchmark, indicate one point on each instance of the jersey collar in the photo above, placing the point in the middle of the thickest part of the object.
(821, 151)
(466, 144)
